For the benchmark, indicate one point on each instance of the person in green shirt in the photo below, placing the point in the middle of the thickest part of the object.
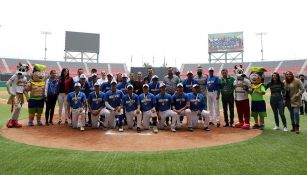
(227, 90)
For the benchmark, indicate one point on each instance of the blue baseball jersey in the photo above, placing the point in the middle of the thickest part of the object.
(180, 100)
(105, 87)
(85, 88)
(147, 102)
(213, 84)
(188, 85)
(130, 103)
(197, 101)
(96, 101)
(91, 86)
(154, 88)
(123, 87)
(76, 100)
(164, 101)
(114, 98)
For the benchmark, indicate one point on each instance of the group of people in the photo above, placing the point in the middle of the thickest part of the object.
(115, 101)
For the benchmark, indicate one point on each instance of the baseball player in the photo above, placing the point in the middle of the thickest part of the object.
(113, 101)
(96, 105)
(106, 86)
(154, 85)
(76, 100)
(131, 105)
(147, 106)
(123, 85)
(197, 104)
(181, 104)
(164, 101)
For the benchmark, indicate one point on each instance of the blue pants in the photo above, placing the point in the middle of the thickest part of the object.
(294, 115)
(278, 107)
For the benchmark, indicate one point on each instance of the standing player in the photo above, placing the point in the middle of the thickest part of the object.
(106, 86)
(197, 104)
(189, 82)
(164, 101)
(147, 106)
(123, 85)
(96, 105)
(213, 88)
(76, 100)
(181, 104)
(154, 85)
(131, 105)
(113, 101)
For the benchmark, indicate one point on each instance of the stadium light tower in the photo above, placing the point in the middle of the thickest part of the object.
(261, 34)
(45, 33)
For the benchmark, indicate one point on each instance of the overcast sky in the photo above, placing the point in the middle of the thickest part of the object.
(145, 29)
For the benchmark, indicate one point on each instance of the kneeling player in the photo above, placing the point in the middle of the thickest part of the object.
(181, 104)
(197, 104)
(131, 105)
(96, 105)
(76, 100)
(164, 100)
(147, 106)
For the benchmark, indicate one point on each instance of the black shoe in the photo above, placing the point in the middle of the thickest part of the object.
(218, 125)
(59, 122)
(66, 122)
(138, 130)
(206, 129)
(47, 124)
(226, 125)
(190, 129)
(51, 122)
(256, 126)
(211, 123)
(89, 125)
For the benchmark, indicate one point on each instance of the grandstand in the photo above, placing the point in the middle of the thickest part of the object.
(51, 65)
(296, 66)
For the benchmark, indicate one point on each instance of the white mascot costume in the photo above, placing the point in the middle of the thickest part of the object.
(15, 87)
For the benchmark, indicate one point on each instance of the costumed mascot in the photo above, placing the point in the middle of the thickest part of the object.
(241, 89)
(36, 88)
(15, 87)
(258, 90)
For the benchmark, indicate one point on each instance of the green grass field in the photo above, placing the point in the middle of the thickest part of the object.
(274, 152)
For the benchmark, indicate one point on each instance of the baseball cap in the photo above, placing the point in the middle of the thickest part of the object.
(145, 85)
(155, 77)
(190, 72)
(179, 85)
(96, 84)
(82, 76)
(109, 74)
(113, 81)
(124, 76)
(195, 85)
(94, 75)
(211, 68)
(129, 86)
(162, 85)
(77, 85)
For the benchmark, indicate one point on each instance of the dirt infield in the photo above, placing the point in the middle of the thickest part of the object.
(65, 137)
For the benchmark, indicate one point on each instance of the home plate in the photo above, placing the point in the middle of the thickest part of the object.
(110, 132)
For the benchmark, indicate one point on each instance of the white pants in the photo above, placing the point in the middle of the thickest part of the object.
(146, 118)
(167, 113)
(213, 106)
(193, 119)
(187, 113)
(109, 121)
(76, 114)
(95, 118)
(130, 115)
(62, 100)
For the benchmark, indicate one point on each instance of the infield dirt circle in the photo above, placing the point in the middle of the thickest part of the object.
(64, 137)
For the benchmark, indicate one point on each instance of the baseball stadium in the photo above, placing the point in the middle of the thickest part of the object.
(84, 114)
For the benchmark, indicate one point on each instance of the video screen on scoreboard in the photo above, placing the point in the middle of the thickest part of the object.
(225, 42)
(82, 42)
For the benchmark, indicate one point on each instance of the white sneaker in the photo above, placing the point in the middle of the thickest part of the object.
(155, 129)
(121, 129)
(276, 128)
(82, 128)
(285, 129)
(173, 129)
